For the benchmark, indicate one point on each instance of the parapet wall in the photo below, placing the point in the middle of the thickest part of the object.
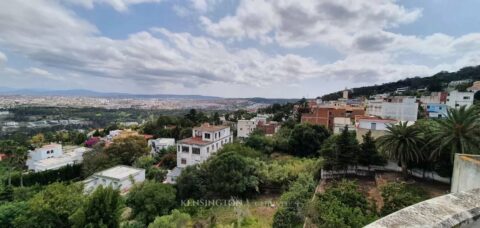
(466, 172)
(461, 209)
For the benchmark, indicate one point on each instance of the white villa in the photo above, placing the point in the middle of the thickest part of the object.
(156, 145)
(52, 156)
(205, 141)
(119, 177)
(245, 127)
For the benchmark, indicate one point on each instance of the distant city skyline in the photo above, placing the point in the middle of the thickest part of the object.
(232, 48)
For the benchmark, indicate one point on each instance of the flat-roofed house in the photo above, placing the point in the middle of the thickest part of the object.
(120, 177)
(205, 141)
(52, 156)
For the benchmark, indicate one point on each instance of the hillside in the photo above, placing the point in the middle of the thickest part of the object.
(432, 83)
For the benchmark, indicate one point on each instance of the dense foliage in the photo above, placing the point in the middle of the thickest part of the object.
(291, 212)
(101, 209)
(151, 199)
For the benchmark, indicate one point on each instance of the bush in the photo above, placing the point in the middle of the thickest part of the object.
(342, 205)
(400, 195)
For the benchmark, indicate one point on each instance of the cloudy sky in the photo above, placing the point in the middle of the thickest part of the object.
(232, 48)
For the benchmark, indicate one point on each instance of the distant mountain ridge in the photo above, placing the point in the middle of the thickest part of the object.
(432, 83)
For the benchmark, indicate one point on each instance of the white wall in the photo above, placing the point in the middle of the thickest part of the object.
(245, 127)
(457, 99)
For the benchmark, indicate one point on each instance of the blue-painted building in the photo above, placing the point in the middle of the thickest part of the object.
(436, 110)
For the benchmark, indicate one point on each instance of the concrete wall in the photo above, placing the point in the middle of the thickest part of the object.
(461, 209)
(466, 172)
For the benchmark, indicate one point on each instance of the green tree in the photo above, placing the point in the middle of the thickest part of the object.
(10, 211)
(368, 154)
(230, 174)
(52, 207)
(191, 184)
(458, 133)
(306, 139)
(151, 199)
(216, 119)
(97, 160)
(80, 138)
(174, 220)
(6, 194)
(402, 143)
(127, 150)
(101, 209)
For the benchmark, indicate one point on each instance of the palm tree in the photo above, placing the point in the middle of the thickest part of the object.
(401, 143)
(458, 133)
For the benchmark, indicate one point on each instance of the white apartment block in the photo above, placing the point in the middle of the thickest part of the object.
(52, 156)
(205, 141)
(403, 109)
(119, 177)
(457, 99)
(156, 145)
(245, 127)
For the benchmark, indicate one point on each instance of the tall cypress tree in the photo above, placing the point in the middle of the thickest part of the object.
(368, 154)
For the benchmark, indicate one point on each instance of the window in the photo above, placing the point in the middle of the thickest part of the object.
(183, 161)
(208, 149)
(207, 136)
(456, 105)
(466, 98)
(439, 115)
(448, 99)
(428, 106)
(195, 150)
(440, 108)
(178, 148)
(373, 126)
(185, 149)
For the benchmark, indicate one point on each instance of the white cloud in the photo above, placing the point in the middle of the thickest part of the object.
(3, 59)
(204, 6)
(300, 23)
(119, 5)
(73, 45)
(34, 71)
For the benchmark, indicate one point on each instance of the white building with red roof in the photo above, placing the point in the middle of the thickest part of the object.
(205, 141)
